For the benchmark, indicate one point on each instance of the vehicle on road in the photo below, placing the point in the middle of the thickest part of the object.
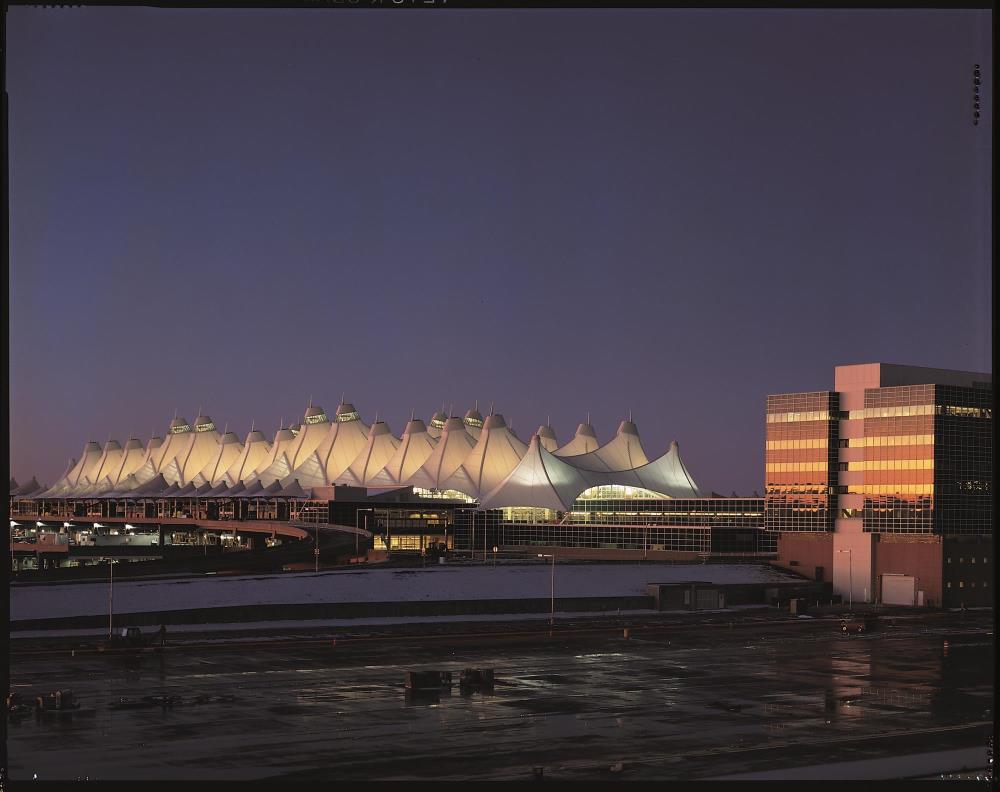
(858, 623)
(130, 638)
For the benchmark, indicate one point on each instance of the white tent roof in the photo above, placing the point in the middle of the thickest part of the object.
(189, 451)
(132, 459)
(583, 442)
(547, 437)
(666, 475)
(177, 442)
(379, 449)
(29, 489)
(276, 464)
(313, 429)
(541, 480)
(414, 448)
(449, 453)
(226, 452)
(473, 423)
(436, 425)
(110, 461)
(495, 454)
(255, 450)
(147, 468)
(345, 438)
(79, 476)
(624, 452)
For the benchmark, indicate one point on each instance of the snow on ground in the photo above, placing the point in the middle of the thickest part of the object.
(372, 585)
(883, 768)
(287, 625)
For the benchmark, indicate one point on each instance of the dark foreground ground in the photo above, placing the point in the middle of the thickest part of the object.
(678, 699)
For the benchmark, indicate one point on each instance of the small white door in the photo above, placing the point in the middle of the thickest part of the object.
(898, 589)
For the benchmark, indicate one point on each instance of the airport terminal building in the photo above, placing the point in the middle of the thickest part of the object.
(882, 485)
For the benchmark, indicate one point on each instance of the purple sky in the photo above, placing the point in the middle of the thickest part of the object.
(666, 211)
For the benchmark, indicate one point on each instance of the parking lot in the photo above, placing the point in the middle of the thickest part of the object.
(673, 700)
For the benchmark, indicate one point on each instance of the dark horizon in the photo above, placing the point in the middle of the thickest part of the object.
(669, 212)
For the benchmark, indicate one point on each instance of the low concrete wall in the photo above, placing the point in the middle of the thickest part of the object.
(342, 610)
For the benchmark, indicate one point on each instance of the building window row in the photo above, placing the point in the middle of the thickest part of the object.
(891, 464)
(808, 442)
(889, 440)
(795, 417)
(887, 489)
(794, 467)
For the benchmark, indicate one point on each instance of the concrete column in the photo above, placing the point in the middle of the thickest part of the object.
(853, 562)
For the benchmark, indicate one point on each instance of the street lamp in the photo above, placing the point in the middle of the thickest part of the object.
(552, 614)
(495, 548)
(357, 526)
(850, 574)
(111, 598)
(316, 551)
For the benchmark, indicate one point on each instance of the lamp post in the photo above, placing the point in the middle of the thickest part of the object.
(111, 598)
(357, 526)
(552, 595)
(495, 548)
(850, 575)
(316, 551)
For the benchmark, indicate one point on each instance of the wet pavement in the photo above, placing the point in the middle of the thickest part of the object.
(671, 701)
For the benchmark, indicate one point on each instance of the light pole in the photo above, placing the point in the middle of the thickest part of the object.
(316, 551)
(357, 526)
(111, 598)
(552, 595)
(495, 548)
(850, 575)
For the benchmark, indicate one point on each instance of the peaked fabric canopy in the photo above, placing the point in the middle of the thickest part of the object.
(379, 449)
(255, 451)
(541, 480)
(314, 428)
(473, 423)
(436, 424)
(547, 437)
(497, 468)
(496, 454)
(291, 490)
(414, 448)
(226, 452)
(666, 475)
(345, 439)
(27, 489)
(624, 452)
(276, 465)
(449, 453)
(583, 442)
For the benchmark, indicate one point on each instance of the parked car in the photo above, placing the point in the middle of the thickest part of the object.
(860, 623)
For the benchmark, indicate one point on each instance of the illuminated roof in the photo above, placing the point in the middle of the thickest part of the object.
(436, 424)
(495, 454)
(449, 453)
(498, 469)
(624, 452)
(583, 442)
(414, 448)
(547, 437)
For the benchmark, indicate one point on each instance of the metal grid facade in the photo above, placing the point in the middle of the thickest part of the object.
(800, 461)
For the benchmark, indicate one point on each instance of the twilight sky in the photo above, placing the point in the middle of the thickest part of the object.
(672, 212)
